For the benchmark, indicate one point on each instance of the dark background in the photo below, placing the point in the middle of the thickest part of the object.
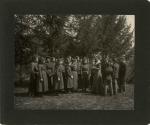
(139, 8)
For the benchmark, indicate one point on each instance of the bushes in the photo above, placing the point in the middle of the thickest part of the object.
(22, 76)
(131, 71)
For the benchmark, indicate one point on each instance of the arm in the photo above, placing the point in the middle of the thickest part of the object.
(40, 71)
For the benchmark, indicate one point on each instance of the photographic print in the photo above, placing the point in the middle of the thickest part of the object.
(74, 62)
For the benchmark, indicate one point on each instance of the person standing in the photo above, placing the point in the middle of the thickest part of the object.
(79, 63)
(92, 72)
(64, 74)
(85, 74)
(122, 75)
(115, 76)
(97, 78)
(34, 77)
(75, 74)
(43, 84)
(51, 73)
(59, 72)
(108, 78)
(69, 76)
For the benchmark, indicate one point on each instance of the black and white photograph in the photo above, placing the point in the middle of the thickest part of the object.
(74, 62)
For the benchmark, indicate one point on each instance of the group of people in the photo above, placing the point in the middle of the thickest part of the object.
(66, 75)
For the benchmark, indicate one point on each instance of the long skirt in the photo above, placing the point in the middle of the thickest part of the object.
(34, 81)
(59, 84)
(85, 81)
(97, 84)
(75, 80)
(69, 82)
(122, 84)
(79, 81)
(45, 81)
(65, 81)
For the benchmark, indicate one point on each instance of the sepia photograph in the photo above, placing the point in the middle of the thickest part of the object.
(74, 62)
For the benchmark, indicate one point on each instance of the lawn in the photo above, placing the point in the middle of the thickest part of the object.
(75, 101)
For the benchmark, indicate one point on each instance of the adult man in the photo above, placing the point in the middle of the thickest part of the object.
(122, 75)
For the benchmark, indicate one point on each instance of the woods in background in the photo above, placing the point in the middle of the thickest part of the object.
(72, 35)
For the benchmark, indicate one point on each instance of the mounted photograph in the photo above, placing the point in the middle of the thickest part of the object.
(74, 62)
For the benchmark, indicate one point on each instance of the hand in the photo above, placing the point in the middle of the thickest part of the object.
(58, 79)
(72, 77)
(41, 80)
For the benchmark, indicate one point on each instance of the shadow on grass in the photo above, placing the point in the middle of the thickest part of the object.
(27, 94)
(22, 94)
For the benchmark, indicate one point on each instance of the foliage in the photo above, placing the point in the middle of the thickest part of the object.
(73, 35)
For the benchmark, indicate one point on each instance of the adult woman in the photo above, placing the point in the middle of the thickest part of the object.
(34, 77)
(92, 72)
(59, 86)
(50, 66)
(97, 78)
(75, 74)
(79, 63)
(108, 78)
(85, 74)
(69, 76)
(43, 84)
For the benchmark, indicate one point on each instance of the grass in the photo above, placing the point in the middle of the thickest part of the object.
(75, 101)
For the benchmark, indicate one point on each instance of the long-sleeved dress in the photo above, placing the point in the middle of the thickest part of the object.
(51, 75)
(97, 79)
(122, 76)
(85, 76)
(79, 74)
(75, 76)
(69, 77)
(43, 83)
(34, 79)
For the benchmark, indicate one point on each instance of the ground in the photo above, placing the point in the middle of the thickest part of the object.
(76, 101)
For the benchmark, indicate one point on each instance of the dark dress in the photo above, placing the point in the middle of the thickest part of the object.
(122, 76)
(51, 75)
(97, 80)
(79, 75)
(34, 79)
(85, 76)
(92, 72)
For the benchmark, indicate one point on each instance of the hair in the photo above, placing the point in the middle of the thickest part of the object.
(40, 60)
